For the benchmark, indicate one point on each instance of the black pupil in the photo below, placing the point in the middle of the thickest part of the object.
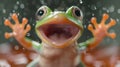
(77, 12)
(40, 12)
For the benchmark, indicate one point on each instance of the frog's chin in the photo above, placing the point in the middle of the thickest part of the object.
(59, 35)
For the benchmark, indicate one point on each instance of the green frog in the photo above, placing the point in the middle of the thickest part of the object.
(59, 32)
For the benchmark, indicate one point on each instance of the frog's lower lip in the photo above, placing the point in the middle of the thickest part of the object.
(58, 34)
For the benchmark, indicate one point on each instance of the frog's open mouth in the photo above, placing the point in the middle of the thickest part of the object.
(58, 34)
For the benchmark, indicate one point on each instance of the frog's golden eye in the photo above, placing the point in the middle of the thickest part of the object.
(41, 12)
(77, 13)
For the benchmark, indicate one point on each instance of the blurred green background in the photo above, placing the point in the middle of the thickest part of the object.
(90, 8)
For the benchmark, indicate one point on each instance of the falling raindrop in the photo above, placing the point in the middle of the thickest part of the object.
(107, 11)
(4, 10)
(85, 26)
(13, 11)
(4, 18)
(93, 7)
(33, 24)
(117, 20)
(81, 1)
(104, 8)
(118, 11)
(28, 34)
(42, 2)
(17, 2)
(15, 7)
(111, 9)
(93, 14)
(22, 6)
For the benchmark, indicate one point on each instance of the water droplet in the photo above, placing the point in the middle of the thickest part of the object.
(93, 14)
(117, 20)
(81, 1)
(118, 11)
(93, 7)
(18, 14)
(13, 11)
(4, 18)
(108, 11)
(33, 24)
(28, 34)
(85, 26)
(111, 9)
(17, 2)
(10, 14)
(4, 10)
(104, 8)
(42, 2)
(15, 7)
(22, 6)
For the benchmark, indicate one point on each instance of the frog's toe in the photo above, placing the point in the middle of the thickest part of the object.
(8, 23)
(105, 17)
(15, 18)
(112, 23)
(94, 22)
(24, 21)
(28, 27)
(90, 27)
(111, 35)
(8, 35)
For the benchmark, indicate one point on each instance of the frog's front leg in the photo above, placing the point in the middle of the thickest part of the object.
(19, 30)
(100, 30)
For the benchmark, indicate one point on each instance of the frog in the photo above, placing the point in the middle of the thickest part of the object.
(59, 32)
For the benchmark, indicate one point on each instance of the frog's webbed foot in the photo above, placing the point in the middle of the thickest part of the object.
(19, 29)
(100, 30)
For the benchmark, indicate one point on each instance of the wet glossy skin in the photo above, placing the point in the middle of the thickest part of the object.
(59, 32)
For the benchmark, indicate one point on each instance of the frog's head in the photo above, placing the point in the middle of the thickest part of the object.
(59, 29)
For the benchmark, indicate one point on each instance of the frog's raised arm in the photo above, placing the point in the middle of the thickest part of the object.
(99, 32)
(19, 32)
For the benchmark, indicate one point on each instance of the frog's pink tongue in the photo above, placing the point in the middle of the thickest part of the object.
(58, 39)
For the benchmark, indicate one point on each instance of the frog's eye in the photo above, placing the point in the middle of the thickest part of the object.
(77, 13)
(41, 12)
